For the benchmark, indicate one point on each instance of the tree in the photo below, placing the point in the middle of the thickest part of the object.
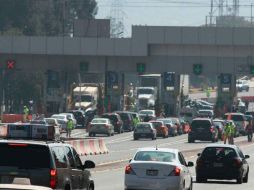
(43, 17)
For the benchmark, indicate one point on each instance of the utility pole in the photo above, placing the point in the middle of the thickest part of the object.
(3, 92)
(211, 13)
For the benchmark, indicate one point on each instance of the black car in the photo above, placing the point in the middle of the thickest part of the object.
(202, 129)
(127, 118)
(79, 116)
(115, 120)
(220, 161)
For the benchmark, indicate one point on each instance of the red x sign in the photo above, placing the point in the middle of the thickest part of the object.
(10, 64)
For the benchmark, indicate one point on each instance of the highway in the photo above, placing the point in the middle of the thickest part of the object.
(109, 171)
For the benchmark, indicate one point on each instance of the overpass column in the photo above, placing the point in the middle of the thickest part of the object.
(226, 93)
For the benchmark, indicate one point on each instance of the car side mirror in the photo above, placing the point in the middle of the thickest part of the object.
(190, 164)
(130, 160)
(199, 154)
(246, 156)
(88, 164)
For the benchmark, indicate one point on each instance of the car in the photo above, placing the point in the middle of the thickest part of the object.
(149, 113)
(127, 118)
(177, 122)
(115, 120)
(52, 164)
(22, 187)
(172, 128)
(161, 129)
(185, 125)
(239, 120)
(89, 115)
(222, 161)
(242, 85)
(219, 124)
(79, 116)
(145, 130)
(62, 120)
(71, 115)
(206, 113)
(101, 126)
(158, 168)
(202, 129)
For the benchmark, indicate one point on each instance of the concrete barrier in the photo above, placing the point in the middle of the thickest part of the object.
(89, 146)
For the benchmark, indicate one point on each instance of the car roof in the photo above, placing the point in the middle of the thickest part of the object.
(234, 114)
(159, 149)
(221, 145)
(22, 187)
(201, 118)
(144, 123)
(34, 142)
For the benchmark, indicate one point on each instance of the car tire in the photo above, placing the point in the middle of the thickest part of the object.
(239, 180)
(109, 134)
(90, 134)
(191, 186)
(191, 140)
(245, 179)
(135, 138)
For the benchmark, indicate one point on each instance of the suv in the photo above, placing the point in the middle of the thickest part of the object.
(115, 120)
(79, 116)
(127, 118)
(242, 85)
(202, 129)
(50, 164)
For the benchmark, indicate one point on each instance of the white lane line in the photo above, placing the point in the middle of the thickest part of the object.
(120, 139)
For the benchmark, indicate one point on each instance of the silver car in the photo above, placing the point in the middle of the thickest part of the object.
(158, 169)
(101, 126)
(145, 130)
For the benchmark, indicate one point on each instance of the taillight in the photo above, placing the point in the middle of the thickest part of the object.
(212, 129)
(106, 126)
(53, 178)
(237, 163)
(17, 145)
(129, 170)
(175, 172)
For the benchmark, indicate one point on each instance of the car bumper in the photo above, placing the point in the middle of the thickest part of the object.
(219, 174)
(139, 183)
(201, 136)
(99, 131)
(143, 135)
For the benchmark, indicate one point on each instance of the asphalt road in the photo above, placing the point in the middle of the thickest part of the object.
(109, 171)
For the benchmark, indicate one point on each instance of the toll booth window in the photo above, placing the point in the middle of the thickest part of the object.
(59, 157)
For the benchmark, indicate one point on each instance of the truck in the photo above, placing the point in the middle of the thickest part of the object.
(146, 97)
(86, 95)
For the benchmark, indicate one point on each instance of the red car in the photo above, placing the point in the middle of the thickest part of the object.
(185, 126)
(161, 129)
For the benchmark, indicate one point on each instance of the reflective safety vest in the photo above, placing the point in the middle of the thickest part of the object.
(70, 124)
(227, 129)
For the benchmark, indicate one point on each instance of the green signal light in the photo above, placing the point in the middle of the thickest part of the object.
(197, 69)
(252, 69)
(141, 67)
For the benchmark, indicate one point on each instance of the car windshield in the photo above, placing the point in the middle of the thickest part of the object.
(51, 121)
(145, 91)
(24, 156)
(157, 156)
(157, 124)
(140, 126)
(200, 123)
(165, 121)
(111, 117)
(99, 121)
(58, 116)
(146, 112)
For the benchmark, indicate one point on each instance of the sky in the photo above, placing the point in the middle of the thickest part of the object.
(166, 12)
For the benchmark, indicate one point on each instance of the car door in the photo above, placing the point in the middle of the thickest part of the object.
(186, 172)
(83, 175)
(74, 172)
(245, 163)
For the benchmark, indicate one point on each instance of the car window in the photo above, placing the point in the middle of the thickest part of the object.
(70, 157)
(59, 157)
(25, 157)
(77, 159)
(240, 153)
(211, 153)
(157, 124)
(200, 123)
(181, 159)
(158, 156)
(99, 121)
(143, 126)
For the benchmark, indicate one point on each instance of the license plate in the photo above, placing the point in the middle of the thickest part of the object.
(152, 172)
(217, 165)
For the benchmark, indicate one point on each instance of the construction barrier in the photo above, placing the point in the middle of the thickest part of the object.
(13, 118)
(86, 147)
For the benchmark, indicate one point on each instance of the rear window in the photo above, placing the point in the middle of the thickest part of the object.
(200, 123)
(24, 157)
(157, 124)
(124, 116)
(140, 126)
(99, 121)
(234, 117)
(219, 152)
(111, 117)
(155, 156)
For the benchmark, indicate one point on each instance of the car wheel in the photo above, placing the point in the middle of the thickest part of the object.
(239, 180)
(191, 140)
(135, 138)
(90, 134)
(109, 134)
(191, 186)
(245, 179)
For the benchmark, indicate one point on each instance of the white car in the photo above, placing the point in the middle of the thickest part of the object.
(72, 117)
(242, 85)
(158, 169)
(101, 126)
